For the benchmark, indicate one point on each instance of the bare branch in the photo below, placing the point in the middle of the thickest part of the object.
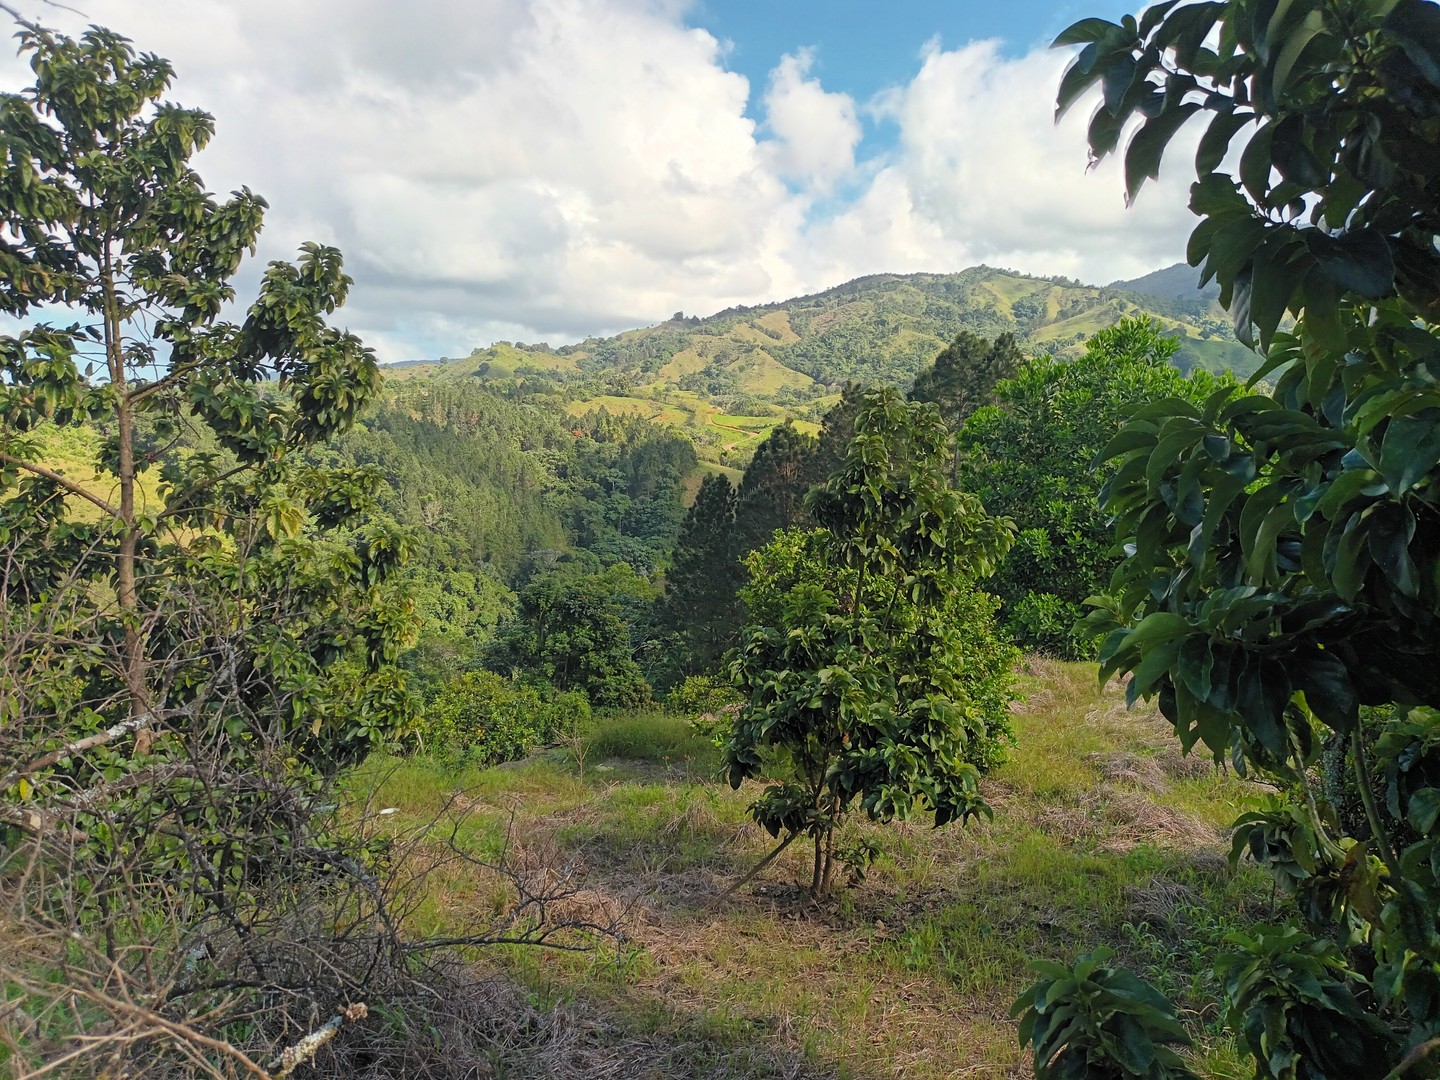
(79, 746)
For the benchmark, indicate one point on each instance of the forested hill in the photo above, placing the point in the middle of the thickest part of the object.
(874, 330)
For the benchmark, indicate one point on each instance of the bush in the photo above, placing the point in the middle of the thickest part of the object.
(701, 694)
(1044, 623)
(483, 718)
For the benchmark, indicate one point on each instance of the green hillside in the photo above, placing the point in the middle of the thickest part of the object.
(790, 358)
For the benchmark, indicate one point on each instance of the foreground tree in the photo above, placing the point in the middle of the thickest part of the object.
(869, 657)
(1286, 546)
(195, 623)
(104, 218)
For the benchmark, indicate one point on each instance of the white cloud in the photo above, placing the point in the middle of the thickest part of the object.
(815, 131)
(983, 161)
(551, 168)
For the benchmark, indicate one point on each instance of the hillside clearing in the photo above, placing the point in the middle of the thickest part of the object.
(1103, 833)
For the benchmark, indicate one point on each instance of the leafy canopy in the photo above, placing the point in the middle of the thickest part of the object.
(1286, 546)
(1030, 457)
(869, 658)
(203, 498)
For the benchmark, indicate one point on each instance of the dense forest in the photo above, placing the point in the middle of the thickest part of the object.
(576, 711)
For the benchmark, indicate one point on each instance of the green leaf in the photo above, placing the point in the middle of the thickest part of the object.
(1410, 450)
(1329, 691)
(1147, 146)
(1359, 262)
(1415, 24)
(1216, 141)
(1078, 78)
(1392, 527)
(1085, 30)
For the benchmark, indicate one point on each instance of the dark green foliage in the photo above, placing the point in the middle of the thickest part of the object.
(492, 486)
(481, 718)
(1286, 546)
(1030, 458)
(1293, 1000)
(869, 659)
(1334, 197)
(702, 603)
(772, 494)
(1098, 1022)
(470, 470)
(573, 632)
(620, 489)
(965, 374)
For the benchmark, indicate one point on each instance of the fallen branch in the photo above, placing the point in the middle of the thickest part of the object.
(766, 861)
(292, 1057)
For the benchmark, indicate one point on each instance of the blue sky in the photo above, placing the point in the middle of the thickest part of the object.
(865, 46)
(549, 169)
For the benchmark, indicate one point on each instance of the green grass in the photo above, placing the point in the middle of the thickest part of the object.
(1102, 834)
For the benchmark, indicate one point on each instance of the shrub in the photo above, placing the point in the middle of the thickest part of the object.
(484, 718)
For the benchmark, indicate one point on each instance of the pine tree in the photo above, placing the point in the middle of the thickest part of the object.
(965, 374)
(701, 604)
(772, 495)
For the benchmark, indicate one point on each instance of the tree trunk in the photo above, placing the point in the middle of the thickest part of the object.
(127, 593)
(827, 874)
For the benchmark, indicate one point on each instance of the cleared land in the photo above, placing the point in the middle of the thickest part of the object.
(1103, 834)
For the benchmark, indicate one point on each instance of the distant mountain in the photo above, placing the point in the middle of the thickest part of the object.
(732, 375)
(879, 328)
(1178, 282)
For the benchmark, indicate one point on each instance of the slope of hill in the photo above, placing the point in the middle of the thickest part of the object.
(879, 329)
(729, 377)
(1177, 282)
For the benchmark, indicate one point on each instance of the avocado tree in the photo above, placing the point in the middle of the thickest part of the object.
(1286, 545)
(869, 657)
(198, 621)
(1031, 457)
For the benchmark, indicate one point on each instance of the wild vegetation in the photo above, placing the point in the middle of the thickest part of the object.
(435, 726)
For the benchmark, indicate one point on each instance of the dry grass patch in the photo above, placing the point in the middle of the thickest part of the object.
(1103, 834)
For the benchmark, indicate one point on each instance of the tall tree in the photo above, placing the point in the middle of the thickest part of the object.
(1030, 458)
(702, 603)
(104, 218)
(772, 494)
(964, 375)
(196, 621)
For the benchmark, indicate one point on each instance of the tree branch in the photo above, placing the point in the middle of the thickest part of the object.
(66, 483)
(178, 504)
(79, 746)
(766, 861)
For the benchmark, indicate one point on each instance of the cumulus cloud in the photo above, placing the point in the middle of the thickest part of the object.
(984, 163)
(815, 131)
(551, 168)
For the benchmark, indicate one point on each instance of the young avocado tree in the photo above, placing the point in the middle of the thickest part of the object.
(869, 658)
(1286, 545)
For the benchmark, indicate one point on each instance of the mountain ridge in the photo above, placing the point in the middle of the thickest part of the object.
(747, 367)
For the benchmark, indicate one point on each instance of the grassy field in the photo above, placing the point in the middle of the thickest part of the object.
(1103, 834)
